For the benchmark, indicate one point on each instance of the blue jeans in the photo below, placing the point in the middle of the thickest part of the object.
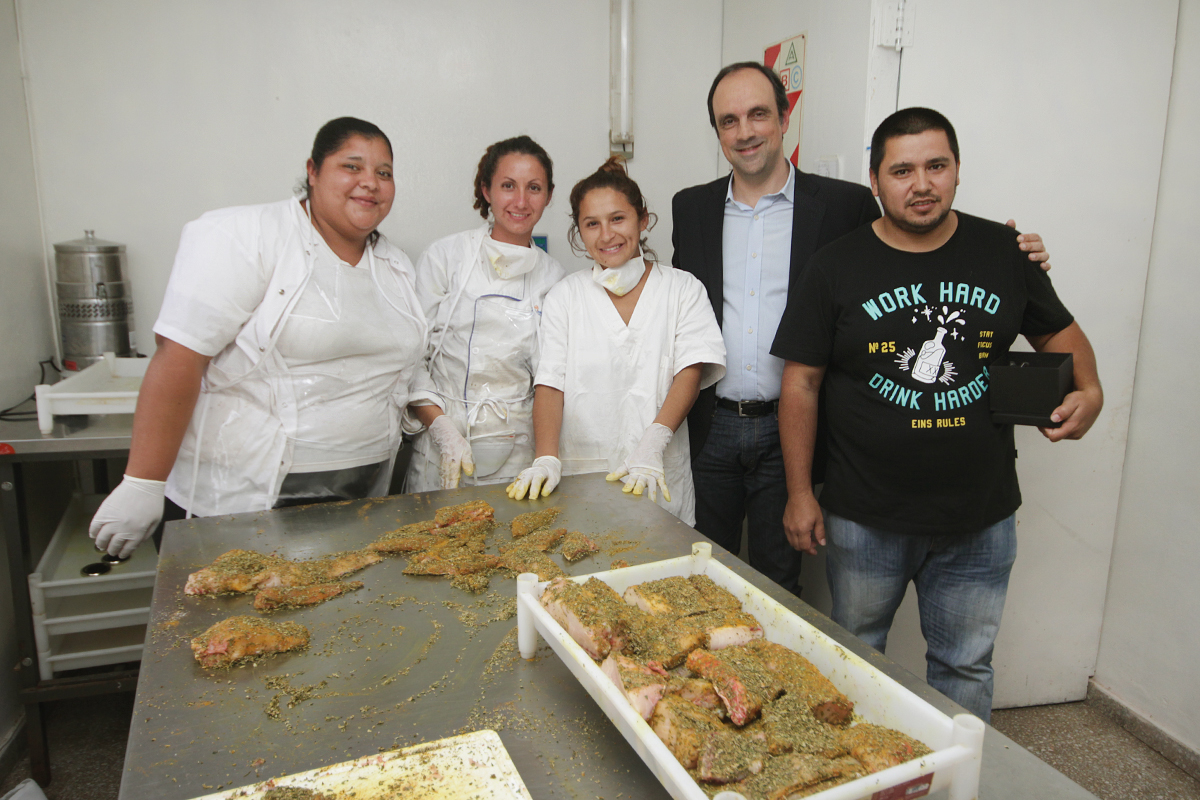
(739, 474)
(961, 584)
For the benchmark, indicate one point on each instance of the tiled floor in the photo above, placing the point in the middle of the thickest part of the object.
(1091, 749)
(87, 750)
(87, 747)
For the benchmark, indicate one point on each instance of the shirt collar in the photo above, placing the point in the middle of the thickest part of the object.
(788, 192)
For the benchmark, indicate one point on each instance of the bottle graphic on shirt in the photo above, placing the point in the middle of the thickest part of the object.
(929, 361)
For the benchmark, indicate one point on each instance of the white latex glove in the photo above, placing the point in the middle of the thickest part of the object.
(456, 452)
(128, 516)
(539, 480)
(643, 469)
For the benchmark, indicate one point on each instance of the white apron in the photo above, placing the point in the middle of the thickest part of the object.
(482, 356)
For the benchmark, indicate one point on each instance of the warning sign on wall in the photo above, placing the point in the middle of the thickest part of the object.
(787, 59)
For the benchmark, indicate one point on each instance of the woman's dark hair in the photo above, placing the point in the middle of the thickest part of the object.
(521, 145)
(611, 175)
(333, 135)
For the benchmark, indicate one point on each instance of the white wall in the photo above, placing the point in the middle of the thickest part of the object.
(24, 313)
(1060, 110)
(1149, 647)
(24, 306)
(1032, 88)
(147, 115)
(836, 65)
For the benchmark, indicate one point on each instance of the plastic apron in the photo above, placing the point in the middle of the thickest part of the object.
(289, 392)
(482, 366)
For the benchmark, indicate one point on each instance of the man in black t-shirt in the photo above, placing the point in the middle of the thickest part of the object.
(899, 320)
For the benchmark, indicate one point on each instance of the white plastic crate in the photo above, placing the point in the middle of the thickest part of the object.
(81, 621)
(110, 386)
(957, 743)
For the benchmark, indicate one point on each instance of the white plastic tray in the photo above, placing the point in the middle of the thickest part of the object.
(83, 621)
(92, 648)
(107, 387)
(957, 743)
(474, 766)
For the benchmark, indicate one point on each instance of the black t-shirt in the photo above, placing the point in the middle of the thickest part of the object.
(906, 339)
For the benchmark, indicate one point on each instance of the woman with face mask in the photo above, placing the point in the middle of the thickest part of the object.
(290, 339)
(482, 292)
(626, 348)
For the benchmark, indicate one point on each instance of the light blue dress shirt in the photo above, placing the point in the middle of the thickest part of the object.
(756, 246)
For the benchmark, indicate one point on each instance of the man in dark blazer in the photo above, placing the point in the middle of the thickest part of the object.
(737, 463)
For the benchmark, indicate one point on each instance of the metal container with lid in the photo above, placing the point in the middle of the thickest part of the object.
(95, 301)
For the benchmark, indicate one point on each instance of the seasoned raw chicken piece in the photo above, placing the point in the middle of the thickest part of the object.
(320, 570)
(233, 571)
(339, 565)
(272, 598)
(800, 678)
(454, 557)
(667, 597)
(474, 510)
(878, 748)
(697, 691)
(424, 526)
(245, 571)
(589, 613)
(409, 543)
(665, 642)
(236, 638)
(467, 529)
(668, 641)
(414, 536)
(796, 775)
(447, 547)
(643, 685)
(540, 540)
(726, 628)
(715, 597)
(575, 546)
(529, 522)
(524, 559)
(727, 756)
(682, 727)
(789, 726)
(740, 679)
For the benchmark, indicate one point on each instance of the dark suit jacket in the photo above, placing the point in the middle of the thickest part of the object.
(825, 209)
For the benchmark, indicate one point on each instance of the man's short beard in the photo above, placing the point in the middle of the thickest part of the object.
(926, 226)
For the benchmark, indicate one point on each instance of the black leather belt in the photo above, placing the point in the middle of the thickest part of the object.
(749, 408)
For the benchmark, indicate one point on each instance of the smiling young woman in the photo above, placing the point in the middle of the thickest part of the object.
(482, 292)
(625, 350)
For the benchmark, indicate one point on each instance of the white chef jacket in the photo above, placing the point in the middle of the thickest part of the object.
(238, 274)
(615, 377)
(483, 352)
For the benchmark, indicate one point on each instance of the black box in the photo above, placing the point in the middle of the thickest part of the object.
(1027, 387)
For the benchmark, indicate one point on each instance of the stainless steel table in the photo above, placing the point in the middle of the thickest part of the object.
(77, 438)
(410, 659)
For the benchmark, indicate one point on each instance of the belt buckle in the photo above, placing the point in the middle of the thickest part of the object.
(741, 403)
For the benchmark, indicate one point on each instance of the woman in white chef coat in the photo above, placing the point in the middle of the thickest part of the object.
(289, 340)
(482, 292)
(626, 348)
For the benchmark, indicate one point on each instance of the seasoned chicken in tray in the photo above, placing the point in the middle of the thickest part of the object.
(739, 712)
